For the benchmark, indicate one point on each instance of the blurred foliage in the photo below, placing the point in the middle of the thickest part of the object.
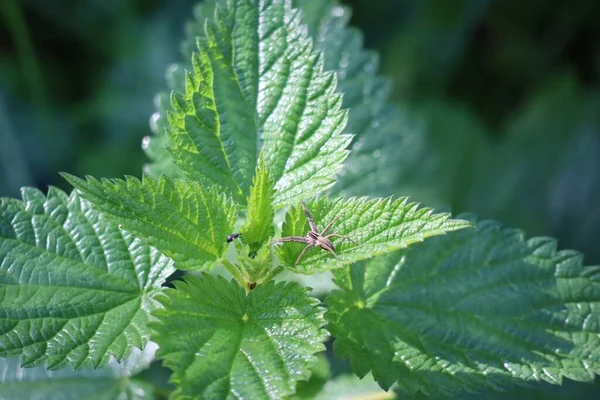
(499, 102)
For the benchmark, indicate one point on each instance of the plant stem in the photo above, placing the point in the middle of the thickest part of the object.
(272, 274)
(235, 273)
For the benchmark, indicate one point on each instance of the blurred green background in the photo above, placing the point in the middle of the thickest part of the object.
(499, 101)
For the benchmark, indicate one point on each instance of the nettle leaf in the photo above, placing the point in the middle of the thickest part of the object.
(320, 374)
(259, 218)
(155, 146)
(184, 220)
(372, 120)
(476, 309)
(74, 288)
(255, 80)
(221, 343)
(114, 381)
(351, 387)
(377, 225)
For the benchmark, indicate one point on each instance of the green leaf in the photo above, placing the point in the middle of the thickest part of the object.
(320, 374)
(539, 391)
(377, 225)
(184, 220)
(345, 387)
(545, 177)
(253, 265)
(114, 381)
(427, 169)
(255, 80)
(155, 146)
(259, 223)
(373, 121)
(74, 288)
(221, 343)
(476, 309)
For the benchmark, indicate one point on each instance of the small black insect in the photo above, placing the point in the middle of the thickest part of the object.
(233, 236)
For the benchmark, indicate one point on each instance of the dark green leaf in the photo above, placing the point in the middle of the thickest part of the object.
(474, 309)
(373, 121)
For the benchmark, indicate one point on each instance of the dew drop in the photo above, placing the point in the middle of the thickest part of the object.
(145, 142)
(154, 122)
(337, 11)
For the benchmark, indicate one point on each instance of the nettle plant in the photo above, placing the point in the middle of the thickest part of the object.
(254, 125)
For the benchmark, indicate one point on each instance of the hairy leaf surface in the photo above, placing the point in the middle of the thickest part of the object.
(255, 81)
(184, 220)
(221, 343)
(473, 309)
(113, 381)
(74, 288)
(259, 219)
(377, 225)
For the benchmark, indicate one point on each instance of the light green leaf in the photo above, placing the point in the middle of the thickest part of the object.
(221, 343)
(377, 225)
(253, 265)
(259, 219)
(184, 220)
(255, 80)
(348, 387)
(476, 309)
(114, 381)
(74, 288)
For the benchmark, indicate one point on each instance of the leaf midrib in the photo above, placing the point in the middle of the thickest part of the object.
(74, 263)
(112, 307)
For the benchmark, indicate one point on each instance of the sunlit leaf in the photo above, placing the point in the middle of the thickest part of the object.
(222, 343)
(74, 288)
(255, 81)
(377, 226)
(475, 309)
(186, 221)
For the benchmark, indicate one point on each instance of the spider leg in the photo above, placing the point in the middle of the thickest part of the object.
(297, 239)
(340, 236)
(308, 246)
(311, 221)
(329, 225)
(332, 252)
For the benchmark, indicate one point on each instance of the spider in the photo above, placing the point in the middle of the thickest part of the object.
(314, 237)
